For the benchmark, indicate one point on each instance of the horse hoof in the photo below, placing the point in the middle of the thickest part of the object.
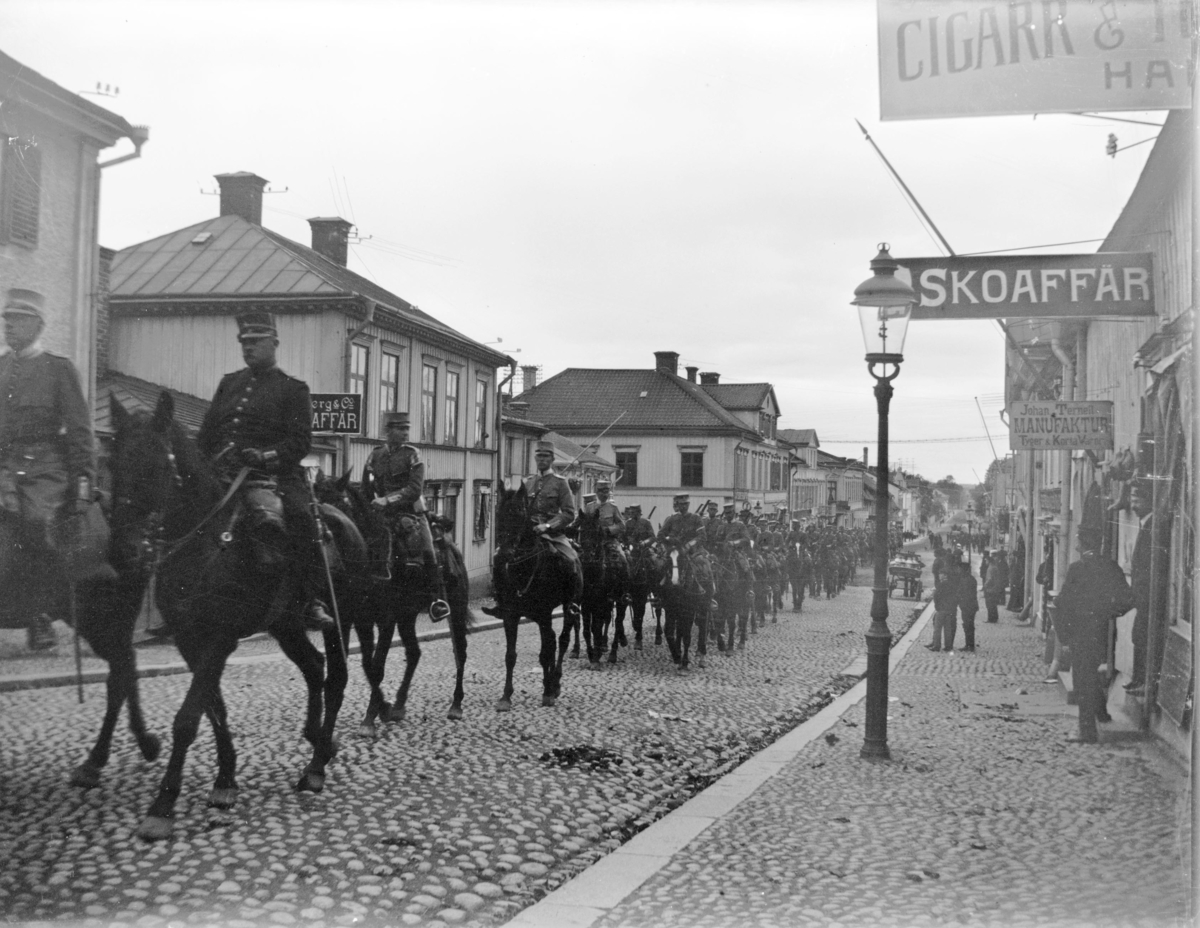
(311, 782)
(396, 714)
(612, 658)
(574, 655)
(504, 705)
(222, 797)
(455, 713)
(151, 747)
(155, 828)
(367, 730)
(637, 646)
(700, 663)
(86, 776)
(595, 665)
(549, 701)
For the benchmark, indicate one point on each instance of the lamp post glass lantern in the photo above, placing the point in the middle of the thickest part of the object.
(884, 309)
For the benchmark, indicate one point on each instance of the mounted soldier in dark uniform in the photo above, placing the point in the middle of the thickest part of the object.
(612, 525)
(47, 464)
(394, 480)
(261, 418)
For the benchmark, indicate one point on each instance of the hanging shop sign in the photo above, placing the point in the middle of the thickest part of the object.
(1050, 500)
(1061, 426)
(941, 58)
(1031, 286)
(340, 413)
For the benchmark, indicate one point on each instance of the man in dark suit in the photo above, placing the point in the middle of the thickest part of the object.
(1093, 593)
(261, 418)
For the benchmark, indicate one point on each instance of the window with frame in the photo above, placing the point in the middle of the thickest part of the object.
(481, 395)
(691, 468)
(830, 492)
(482, 500)
(359, 361)
(20, 191)
(429, 374)
(776, 475)
(452, 378)
(450, 508)
(627, 468)
(389, 382)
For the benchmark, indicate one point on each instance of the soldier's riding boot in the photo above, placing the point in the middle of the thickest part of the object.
(318, 619)
(439, 609)
(40, 636)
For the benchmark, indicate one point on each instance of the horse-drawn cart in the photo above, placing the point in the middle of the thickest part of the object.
(904, 572)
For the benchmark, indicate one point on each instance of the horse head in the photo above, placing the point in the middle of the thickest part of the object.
(151, 460)
(514, 526)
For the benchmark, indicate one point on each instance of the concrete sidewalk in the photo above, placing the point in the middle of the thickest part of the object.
(985, 815)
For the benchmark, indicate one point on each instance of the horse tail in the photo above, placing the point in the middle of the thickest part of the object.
(456, 587)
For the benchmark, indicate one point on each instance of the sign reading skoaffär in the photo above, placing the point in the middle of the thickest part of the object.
(1061, 426)
(340, 413)
(940, 58)
(1031, 286)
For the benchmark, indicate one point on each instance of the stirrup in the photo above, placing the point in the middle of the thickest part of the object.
(439, 610)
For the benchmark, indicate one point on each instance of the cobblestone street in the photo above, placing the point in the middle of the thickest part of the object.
(435, 822)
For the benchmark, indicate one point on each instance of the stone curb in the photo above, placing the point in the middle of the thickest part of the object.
(582, 901)
(44, 681)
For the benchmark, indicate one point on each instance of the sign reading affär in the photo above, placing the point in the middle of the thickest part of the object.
(1032, 286)
(1061, 426)
(940, 58)
(340, 413)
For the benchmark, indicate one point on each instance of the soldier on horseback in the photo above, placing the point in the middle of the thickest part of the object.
(553, 506)
(47, 465)
(261, 418)
(612, 528)
(681, 526)
(394, 479)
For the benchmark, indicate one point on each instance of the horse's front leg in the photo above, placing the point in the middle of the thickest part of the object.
(87, 774)
(551, 669)
(206, 675)
(224, 791)
(337, 675)
(511, 622)
(372, 655)
(618, 637)
(412, 657)
(458, 638)
(308, 660)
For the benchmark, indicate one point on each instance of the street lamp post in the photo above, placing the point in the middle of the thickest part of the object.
(884, 307)
(970, 531)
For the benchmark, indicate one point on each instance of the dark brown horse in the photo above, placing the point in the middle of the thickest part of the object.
(530, 580)
(603, 592)
(105, 610)
(388, 594)
(212, 591)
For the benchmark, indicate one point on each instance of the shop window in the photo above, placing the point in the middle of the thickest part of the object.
(482, 508)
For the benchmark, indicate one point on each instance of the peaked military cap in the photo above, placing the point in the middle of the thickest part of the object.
(603, 482)
(395, 420)
(20, 302)
(544, 447)
(729, 507)
(682, 498)
(633, 507)
(255, 324)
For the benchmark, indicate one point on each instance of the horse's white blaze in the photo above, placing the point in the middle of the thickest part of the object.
(674, 567)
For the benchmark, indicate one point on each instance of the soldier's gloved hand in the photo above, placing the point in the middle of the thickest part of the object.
(254, 457)
(540, 528)
(380, 502)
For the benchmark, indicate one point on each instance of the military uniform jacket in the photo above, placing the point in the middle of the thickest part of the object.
(637, 530)
(680, 528)
(400, 471)
(735, 531)
(611, 520)
(552, 501)
(266, 410)
(41, 402)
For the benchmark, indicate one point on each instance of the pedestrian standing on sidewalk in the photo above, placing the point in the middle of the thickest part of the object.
(1094, 592)
(945, 606)
(995, 582)
(968, 605)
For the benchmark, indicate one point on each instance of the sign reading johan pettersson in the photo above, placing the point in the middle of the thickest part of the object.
(1060, 426)
(940, 58)
(1032, 286)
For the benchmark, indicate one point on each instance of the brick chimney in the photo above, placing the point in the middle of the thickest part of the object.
(330, 238)
(709, 377)
(241, 195)
(518, 409)
(529, 376)
(667, 362)
(866, 460)
(691, 372)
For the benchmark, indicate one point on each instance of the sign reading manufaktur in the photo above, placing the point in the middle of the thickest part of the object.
(940, 58)
(1061, 426)
(1032, 286)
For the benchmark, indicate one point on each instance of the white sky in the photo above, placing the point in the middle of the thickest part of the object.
(595, 181)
